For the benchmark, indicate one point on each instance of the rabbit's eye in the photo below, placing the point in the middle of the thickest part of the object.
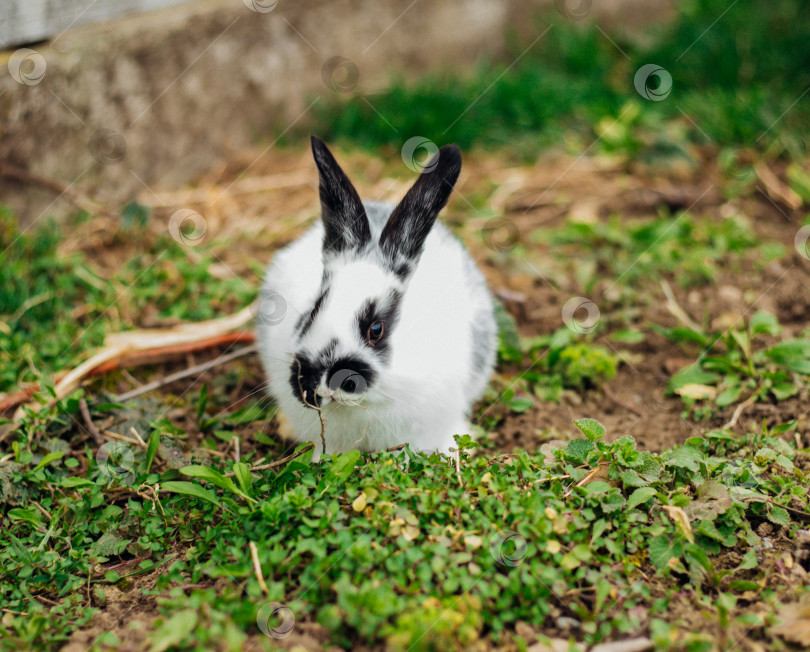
(375, 332)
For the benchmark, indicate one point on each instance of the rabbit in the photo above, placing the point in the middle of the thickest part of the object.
(376, 320)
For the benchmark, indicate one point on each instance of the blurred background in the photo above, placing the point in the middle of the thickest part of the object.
(155, 98)
(154, 153)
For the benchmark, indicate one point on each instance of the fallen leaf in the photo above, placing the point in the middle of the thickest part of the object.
(359, 503)
(697, 392)
(473, 541)
(795, 625)
(680, 519)
(712, 500)
(627, 645)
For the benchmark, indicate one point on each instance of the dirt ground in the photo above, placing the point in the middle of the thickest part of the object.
(256, 206)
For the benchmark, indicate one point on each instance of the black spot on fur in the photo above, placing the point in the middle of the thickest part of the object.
(386, 311)
(327, 354)
(304, 378)
(306, 320)
(402, 271)
(352, 375)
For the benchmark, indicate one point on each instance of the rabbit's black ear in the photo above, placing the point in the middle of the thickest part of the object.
(405, 232)
(344, 217)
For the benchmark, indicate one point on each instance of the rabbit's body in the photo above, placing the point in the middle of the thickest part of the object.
(417, 383)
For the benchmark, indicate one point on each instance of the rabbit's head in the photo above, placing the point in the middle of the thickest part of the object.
(343, 342)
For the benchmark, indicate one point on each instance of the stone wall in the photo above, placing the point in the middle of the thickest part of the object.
(153, 100)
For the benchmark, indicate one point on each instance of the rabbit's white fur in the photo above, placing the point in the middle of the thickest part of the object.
(440, 351)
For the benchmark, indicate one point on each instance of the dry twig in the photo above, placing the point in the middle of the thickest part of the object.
(138, 437)
(775, 188)
(585, 480)
(283, 460)
(136, 358)
(257, 568)
(44, 511)
(739, 410)
(675, 309)
(88, 422)
(185, 373)
(118, 345)
(115, 435)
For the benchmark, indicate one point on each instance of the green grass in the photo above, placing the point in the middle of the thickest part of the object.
(692, 249)
(53, 308)
(393, 549)
(738, 78)
(740, 363)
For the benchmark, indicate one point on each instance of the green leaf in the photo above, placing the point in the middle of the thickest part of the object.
(686, 457)
(152, 449)
(691, 375)
(695, 554)
(683, 334)
(509, 346)
(799, 181)
(783, 391)
(708, 529)
(29, 515)
(729, 395)
(242, 473)
(612, 502)
(521, 404)
(640, 496)
(194, 490)
(627, 336)
(50, 457)
(578, 449)
(764, 322)
(342, 466)
(602, 592)
(663, 548)
(76, 482)
(595, 488)
(174, 631)
(749, 560)
(783, 428)
(591, 428)
(793, 355)
(778, 515)
(216, 478)
(631, 478)
(248, 414)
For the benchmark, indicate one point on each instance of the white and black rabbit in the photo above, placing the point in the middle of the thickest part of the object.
(379, 317)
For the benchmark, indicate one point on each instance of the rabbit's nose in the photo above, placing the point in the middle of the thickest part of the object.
(349, 381)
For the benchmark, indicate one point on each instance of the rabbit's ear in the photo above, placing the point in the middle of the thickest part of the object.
(405, 232)
(344, 217)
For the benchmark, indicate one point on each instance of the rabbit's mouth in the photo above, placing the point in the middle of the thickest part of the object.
(327, 396)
